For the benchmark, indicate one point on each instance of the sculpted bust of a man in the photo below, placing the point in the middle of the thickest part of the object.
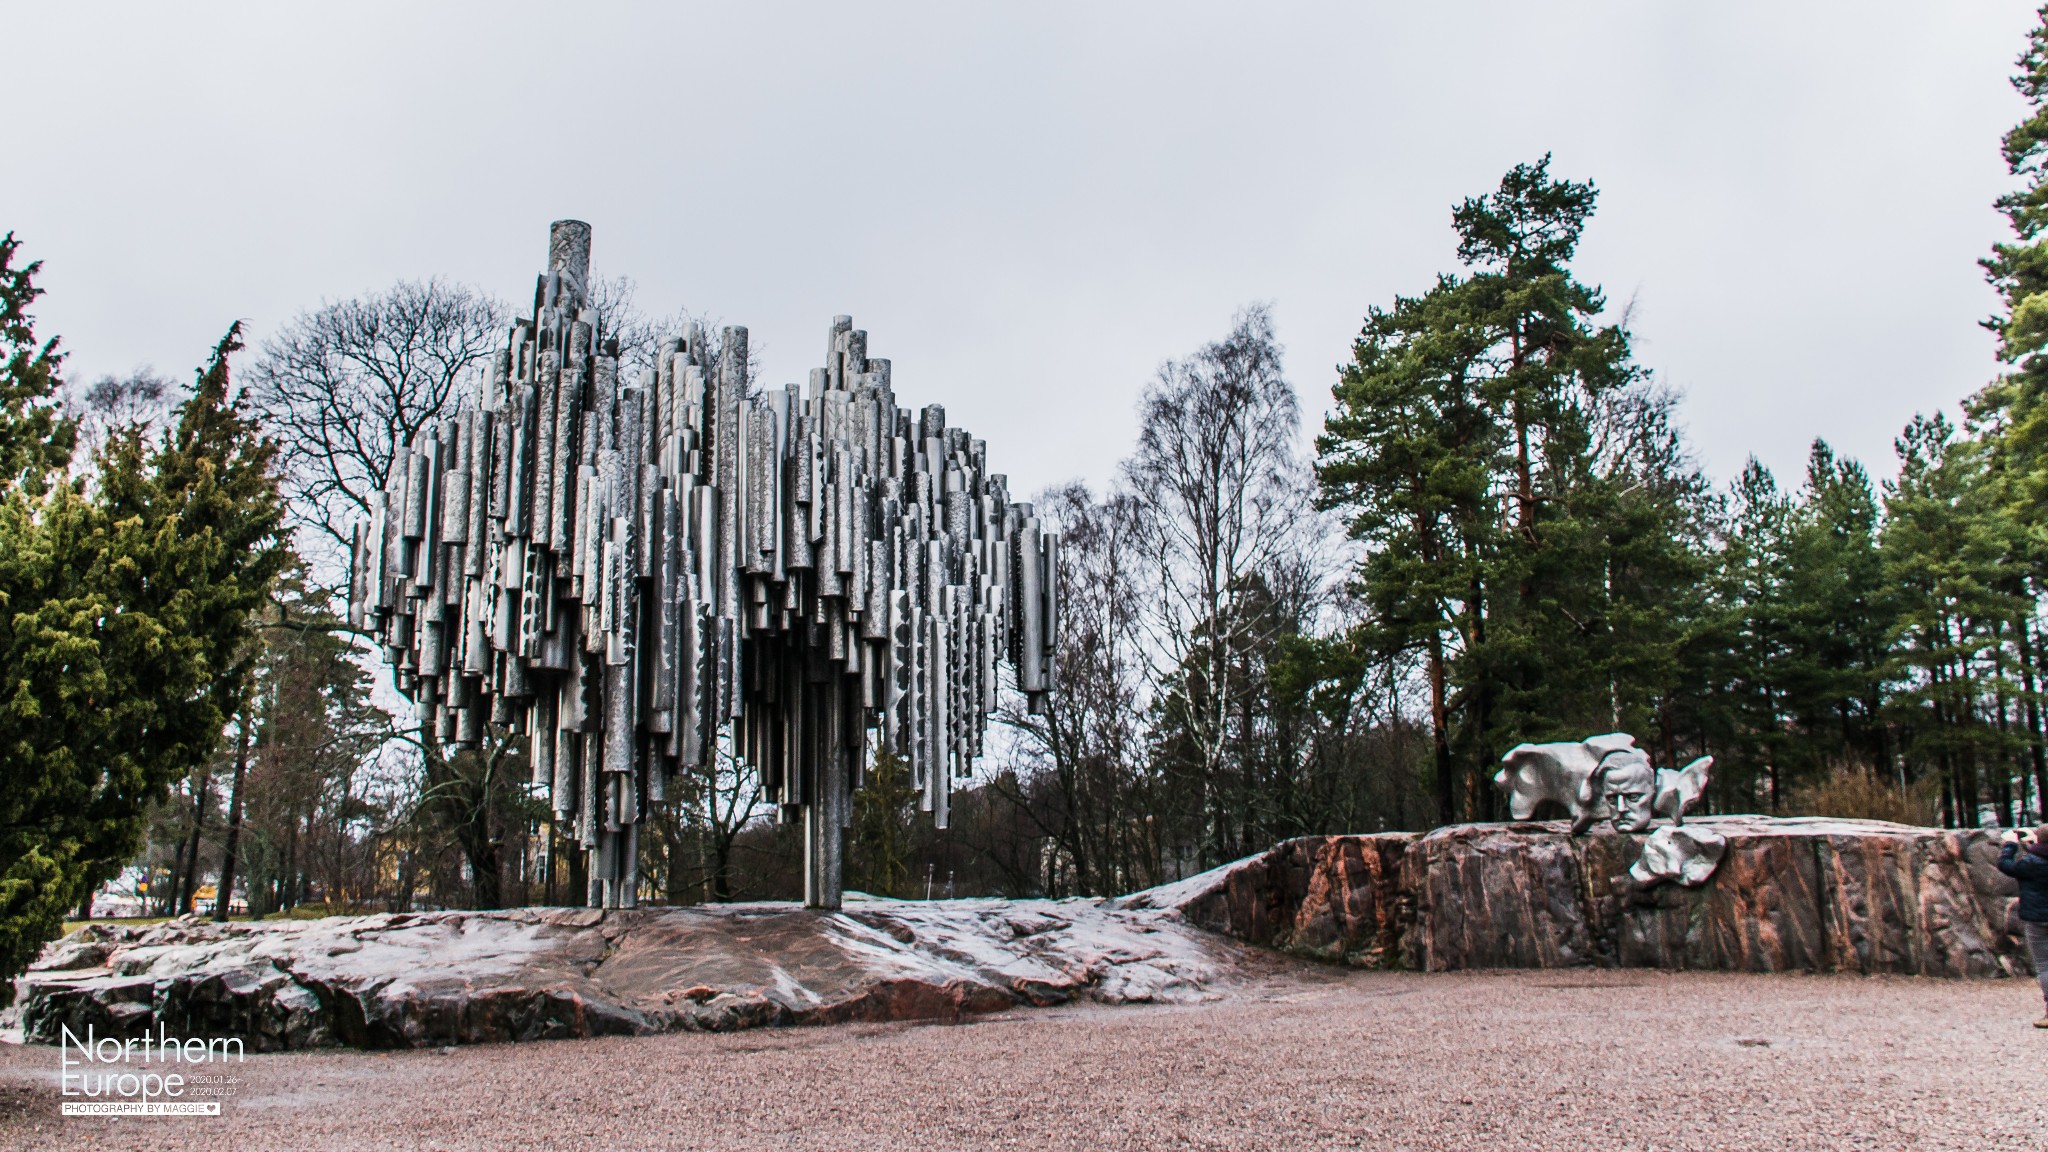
(1629, 786)
(1636, 793)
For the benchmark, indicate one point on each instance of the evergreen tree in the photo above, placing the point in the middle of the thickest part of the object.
(2010, 418)
(123, 621)
(49, 679)
(1531, 522)
(1408, 455)
(1948, 550)
(1839, 617)
(2018, 402)
(294, 773)
(196, 529)
(35, 438)
(1646, 515)
(884, 815)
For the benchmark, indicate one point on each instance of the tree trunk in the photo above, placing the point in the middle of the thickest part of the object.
(1950, 814)
(721, 865)
(1525, 489)
(2003, 785)
(288, 876)
(166, 901)
(224, 889)
(578, 879)
(199, 806)
(1482, 700)
(408, 878)
(463, 807)
(484, 864)
(2035, 748)
(1439, 720)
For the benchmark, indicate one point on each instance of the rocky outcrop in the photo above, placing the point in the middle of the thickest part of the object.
(1789, 895)
(403, 981)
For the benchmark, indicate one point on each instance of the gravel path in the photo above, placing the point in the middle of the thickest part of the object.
(1327, 1059)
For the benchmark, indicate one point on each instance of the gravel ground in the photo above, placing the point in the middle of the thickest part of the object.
(1326, 1059)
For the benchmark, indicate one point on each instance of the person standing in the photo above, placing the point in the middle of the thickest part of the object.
(2026, 860)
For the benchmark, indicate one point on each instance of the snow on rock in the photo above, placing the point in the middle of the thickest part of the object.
(417, 980)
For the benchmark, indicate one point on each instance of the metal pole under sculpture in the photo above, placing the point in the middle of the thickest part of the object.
(629, 572)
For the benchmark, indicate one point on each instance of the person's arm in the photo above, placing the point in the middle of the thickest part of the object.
(2022, 865)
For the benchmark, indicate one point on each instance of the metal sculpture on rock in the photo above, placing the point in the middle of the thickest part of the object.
(1609, 776)
(624, 570)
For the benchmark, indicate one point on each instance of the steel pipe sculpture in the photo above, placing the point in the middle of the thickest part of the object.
(629, 571)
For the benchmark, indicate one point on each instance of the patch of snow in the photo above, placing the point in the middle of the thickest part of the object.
(1180, 892)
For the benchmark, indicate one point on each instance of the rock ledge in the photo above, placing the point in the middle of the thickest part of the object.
(420, 980)
(1790, 895)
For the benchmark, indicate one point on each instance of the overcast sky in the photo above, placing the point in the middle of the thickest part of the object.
(1029, 207)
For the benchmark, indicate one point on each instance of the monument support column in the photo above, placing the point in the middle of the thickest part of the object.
(825, 817)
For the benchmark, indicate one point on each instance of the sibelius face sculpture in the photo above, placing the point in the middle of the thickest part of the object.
(629, 571)
(1609, 776)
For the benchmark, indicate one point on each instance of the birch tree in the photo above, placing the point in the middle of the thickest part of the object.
(1223, 502)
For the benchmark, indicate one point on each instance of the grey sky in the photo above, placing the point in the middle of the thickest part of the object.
(1028, 208)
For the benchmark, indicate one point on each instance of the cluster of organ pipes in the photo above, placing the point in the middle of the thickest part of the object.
(623, 570)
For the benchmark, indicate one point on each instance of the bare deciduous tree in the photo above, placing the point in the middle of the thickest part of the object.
(343, 388)
(1084, 783)
(142, 398)
(1224, 504)
(695, 834)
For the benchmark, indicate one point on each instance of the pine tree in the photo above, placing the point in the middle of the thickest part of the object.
(2009, 418)
(1742, 725)
(1948, 549)
(1531, 522)
(1840, 614)
(1408, 454)
(2017, 404)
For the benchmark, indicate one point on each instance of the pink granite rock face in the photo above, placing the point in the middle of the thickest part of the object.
(1789, 895)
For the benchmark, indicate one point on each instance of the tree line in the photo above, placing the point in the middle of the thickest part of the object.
(1503, 536)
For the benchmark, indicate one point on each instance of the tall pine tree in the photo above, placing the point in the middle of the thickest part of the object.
(2016, 405)
(1530, 519)
(198, 526)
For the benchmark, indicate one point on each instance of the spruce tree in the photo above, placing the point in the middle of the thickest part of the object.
(35, 437)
